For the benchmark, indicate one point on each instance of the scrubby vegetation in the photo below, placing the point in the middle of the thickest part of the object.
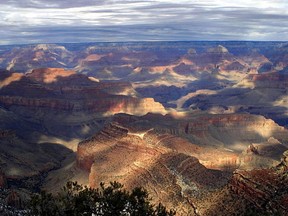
(75, 199)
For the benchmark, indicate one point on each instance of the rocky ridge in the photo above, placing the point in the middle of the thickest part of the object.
(76, 103)
(168, 176)
(175, 165)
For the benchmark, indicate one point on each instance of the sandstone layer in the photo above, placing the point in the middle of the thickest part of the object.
(168, 176)
(255, 192)
(177, 158)
(73, 104)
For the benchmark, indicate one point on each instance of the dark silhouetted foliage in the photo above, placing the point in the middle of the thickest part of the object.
(75, 199)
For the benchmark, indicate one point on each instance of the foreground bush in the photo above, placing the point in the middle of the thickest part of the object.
(74, 199)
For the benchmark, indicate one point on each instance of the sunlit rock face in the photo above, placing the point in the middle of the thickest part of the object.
(263, 94)
(49, 75)
(169, 176)
(180, 159)
(73, 102)
(61, 89)
(218, 50)
(212, 58)
(22, 59)
(170, 71)
(258, 191)
(218, 141)
(7, 78)
(175, 179)
(253, 127)
(233, 133)
(264, 189)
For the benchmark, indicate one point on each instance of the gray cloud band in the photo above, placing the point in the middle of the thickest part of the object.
(53, 21)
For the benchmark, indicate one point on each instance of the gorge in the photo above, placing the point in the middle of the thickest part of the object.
(201, 125)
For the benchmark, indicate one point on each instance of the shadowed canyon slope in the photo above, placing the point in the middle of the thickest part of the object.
(27, 164)
(201, 125)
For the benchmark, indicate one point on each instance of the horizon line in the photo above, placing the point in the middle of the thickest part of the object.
(146, 41)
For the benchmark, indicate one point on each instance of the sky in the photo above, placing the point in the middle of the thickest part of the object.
(58, 21)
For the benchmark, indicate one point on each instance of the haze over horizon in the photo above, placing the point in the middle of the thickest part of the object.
(51, 21)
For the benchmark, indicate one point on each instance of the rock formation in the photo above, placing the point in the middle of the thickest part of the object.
(170, 156)
(254, 192)
(270, 80)
(76, 103)
(168, 176)
(218, 50)
(263, 189)
(26, 163)
(22, 59)
(3, 180)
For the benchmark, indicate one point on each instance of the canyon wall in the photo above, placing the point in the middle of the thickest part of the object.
(168, 157)
(67, 104)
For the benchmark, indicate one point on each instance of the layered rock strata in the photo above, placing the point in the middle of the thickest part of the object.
(168, 176)
(264, 189)
(63, 103)
(167, 155)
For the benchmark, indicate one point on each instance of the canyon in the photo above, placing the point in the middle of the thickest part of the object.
(175, 162)
(201, 125)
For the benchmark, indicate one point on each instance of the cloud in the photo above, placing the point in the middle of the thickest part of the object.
(33, 21)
